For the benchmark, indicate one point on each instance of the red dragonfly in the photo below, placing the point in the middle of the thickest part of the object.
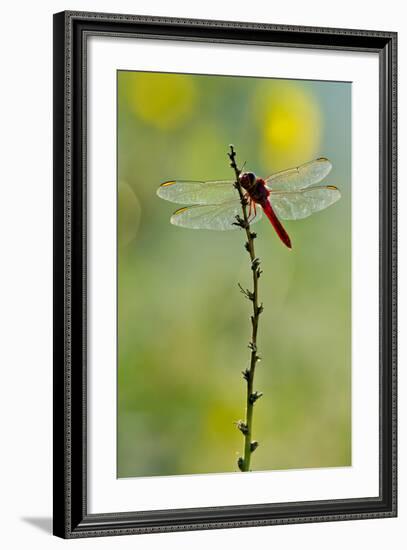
(290, 195)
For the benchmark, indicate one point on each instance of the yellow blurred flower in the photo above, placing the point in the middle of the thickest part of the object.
(161, 100)
(291, 125)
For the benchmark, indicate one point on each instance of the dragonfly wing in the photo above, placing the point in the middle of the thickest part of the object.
(220, 217)
(295, 205)
(197, 192)
(305, 175)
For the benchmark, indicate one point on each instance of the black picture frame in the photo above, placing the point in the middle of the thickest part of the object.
(71, 519)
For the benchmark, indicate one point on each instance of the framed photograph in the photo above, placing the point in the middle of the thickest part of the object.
(224, 274)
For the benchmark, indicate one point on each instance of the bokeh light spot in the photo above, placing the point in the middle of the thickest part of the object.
(129, 214)
(161, 100)
(291, 126)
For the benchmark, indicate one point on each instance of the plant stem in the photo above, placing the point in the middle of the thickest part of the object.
(246, 427)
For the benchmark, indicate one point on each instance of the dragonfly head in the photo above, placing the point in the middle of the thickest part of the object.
(247, 180)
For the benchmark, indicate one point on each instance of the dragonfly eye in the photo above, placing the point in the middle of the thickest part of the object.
(247, 180)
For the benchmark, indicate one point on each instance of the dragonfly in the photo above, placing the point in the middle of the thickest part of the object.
(291, 194)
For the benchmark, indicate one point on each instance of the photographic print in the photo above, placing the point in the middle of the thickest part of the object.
(234, 274)
(225, 274)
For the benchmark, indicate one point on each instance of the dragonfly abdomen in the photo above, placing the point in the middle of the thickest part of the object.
(278, 227)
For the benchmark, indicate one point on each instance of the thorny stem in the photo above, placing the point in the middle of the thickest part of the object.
(246, 427)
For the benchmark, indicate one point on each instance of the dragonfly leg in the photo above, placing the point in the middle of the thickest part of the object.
(250, 204)
(252, 207)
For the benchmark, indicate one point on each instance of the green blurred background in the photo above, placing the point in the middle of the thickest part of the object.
(183, 325)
